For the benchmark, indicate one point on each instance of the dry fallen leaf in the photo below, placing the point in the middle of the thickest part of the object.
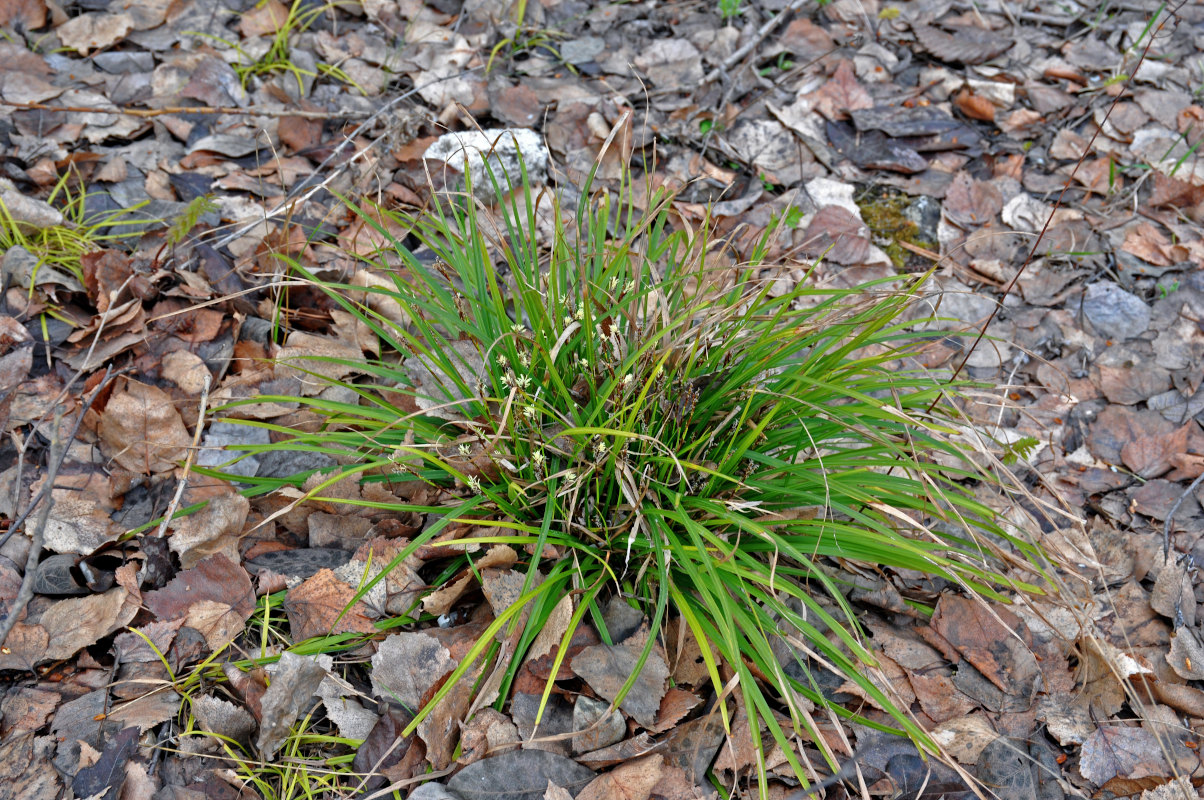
(66, 627)
(215, 598)
(975, 106)
(841, 94)
(214, 529)
(142, 430)
(94, 31)
(1116, 750)
(407, 665)
(836, 235)
(290, 694)
(314, 606)
(606, 667)
(630, 781)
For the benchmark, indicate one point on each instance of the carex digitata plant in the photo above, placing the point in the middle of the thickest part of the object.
(639, 424)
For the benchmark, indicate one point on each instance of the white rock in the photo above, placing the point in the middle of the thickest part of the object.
(503, 149)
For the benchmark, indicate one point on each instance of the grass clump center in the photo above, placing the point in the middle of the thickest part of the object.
(588, 388)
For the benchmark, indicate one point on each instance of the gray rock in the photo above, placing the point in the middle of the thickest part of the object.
(502, 149)
(1115, 313)
(925, 214)
(583, 50)
(286, 463)
(223, 435)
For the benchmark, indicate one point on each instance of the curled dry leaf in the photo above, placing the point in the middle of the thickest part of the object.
(975, 106)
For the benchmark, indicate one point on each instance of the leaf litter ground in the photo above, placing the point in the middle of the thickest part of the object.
(159, 156)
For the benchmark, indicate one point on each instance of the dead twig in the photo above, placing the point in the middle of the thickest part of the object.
(170, 110)
(44, 501)
(192, 451)
(1170, 515)
(982, 331)
(292, 198)
(760, 36)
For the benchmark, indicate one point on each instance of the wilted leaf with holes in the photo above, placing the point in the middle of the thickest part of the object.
(407, 665)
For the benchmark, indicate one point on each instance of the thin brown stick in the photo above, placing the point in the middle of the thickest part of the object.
(192, 451)
(760, 36)
(309, 191)
(44, 501)
(168, 110)
(1065, 188)
(1170, 515)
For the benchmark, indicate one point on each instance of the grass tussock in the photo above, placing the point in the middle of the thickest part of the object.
(641, 425)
